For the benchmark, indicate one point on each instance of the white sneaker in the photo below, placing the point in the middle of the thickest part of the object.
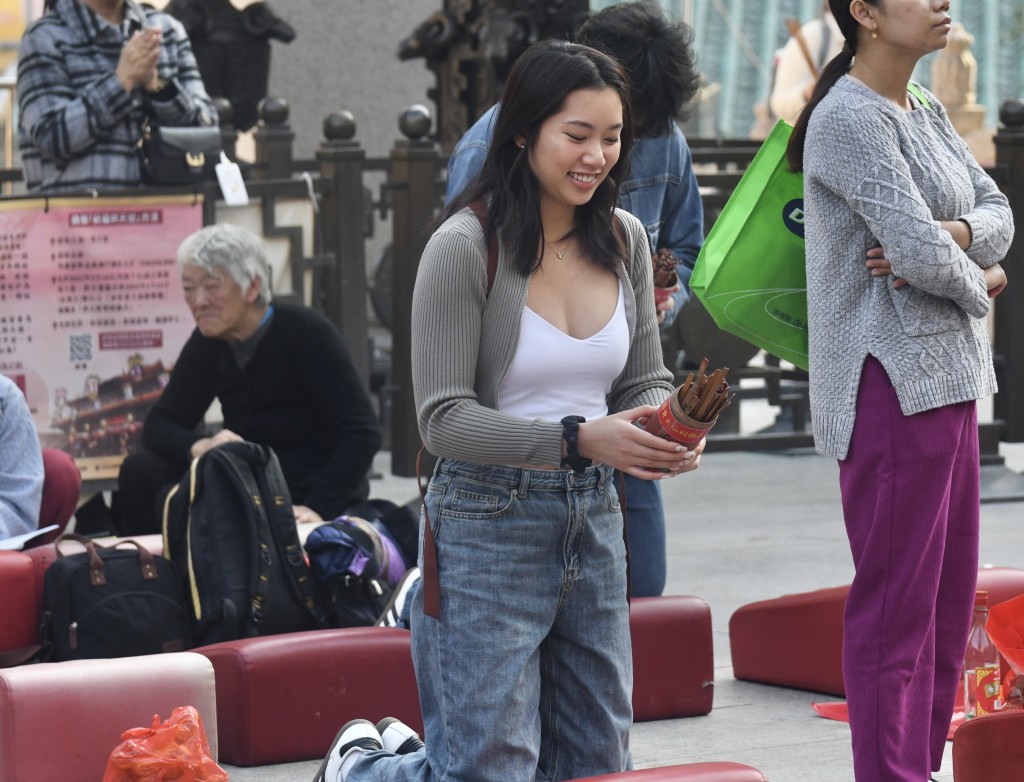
(391, 616)
(355, 738)
(398, 737)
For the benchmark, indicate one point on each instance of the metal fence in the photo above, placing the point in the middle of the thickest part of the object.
(336, 212)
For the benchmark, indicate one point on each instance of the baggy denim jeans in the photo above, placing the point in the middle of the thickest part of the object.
(528, 673)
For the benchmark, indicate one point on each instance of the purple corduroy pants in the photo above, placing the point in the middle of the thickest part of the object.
(911, 500)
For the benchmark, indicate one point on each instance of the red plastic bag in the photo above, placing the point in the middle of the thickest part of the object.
(1005, 627)
(176, 749)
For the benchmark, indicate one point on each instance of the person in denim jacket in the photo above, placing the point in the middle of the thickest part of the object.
(660, 189)
(21, 463)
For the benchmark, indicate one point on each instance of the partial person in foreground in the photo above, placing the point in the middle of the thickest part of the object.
(21, 463)
(89, 73)
(905, 234)
(528, 384)
(660, 189)
(282, 375)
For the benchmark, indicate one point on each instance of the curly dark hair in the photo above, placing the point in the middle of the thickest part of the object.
(657, 54)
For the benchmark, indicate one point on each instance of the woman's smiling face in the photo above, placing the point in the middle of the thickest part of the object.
(577, 146)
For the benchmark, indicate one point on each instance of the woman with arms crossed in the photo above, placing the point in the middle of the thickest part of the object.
(904, 236)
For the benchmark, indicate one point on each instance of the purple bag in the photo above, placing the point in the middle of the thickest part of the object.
(357, 565)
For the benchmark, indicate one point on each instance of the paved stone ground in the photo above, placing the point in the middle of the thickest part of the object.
(746, 527)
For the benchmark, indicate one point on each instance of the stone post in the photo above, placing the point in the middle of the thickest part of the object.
(226, 121)
(273, 140)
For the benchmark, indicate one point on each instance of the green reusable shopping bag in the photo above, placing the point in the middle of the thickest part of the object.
(750, 273)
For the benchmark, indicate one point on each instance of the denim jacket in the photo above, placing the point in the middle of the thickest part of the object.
(661, 190)
(21, 463)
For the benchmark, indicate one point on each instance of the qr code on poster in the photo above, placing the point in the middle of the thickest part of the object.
(80, 346)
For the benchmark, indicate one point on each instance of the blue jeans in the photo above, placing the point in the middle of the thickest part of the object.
(645, 522)
(528, 672)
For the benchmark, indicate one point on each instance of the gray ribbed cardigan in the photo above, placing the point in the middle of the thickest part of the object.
(876, 175)
(463, 343)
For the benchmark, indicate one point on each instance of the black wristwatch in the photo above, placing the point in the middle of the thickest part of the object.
(570, 434)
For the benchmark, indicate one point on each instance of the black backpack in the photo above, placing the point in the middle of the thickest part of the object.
(230, 529)
(112, 602)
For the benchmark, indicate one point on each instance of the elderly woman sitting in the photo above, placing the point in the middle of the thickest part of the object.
(283, 378)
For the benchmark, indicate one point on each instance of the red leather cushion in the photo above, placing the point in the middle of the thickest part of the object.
(60, 721)
(797, 640)
(62, 483)
(791, 641)
(989, 748)
(1001, 583)
(315, 682)
(282, 698)
(691, 772)
(673, 657)
(19, 616)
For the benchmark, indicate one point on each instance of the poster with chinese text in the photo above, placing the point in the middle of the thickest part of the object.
(92, 316)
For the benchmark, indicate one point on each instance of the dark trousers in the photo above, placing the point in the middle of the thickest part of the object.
(911, 500)
(142, 486)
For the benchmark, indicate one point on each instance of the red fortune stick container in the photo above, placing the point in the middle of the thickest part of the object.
(693, 408)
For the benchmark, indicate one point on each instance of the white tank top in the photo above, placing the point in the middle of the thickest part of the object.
(553, 375)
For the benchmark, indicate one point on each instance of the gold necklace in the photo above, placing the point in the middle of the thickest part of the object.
(559, 255)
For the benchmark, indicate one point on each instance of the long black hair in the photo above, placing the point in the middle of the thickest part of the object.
(536, 88)
(830, 74)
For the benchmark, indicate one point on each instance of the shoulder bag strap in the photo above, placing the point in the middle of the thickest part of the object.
(916, 91)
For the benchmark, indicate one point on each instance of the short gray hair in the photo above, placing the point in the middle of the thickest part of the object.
(235, 250)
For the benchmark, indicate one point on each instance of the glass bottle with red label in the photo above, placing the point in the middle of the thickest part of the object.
(981, 665)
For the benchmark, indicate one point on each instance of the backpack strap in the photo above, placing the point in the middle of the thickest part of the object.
(479, 208)
(430, 580)
(230, 455)
(620, 231)
(285, 539)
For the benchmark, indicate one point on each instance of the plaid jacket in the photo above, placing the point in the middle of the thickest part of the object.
(78, 127)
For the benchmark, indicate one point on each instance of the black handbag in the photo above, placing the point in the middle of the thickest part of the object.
(112, 602)
(178, 156)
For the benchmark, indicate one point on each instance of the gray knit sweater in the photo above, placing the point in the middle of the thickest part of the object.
(876, 175)
(463, 343)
